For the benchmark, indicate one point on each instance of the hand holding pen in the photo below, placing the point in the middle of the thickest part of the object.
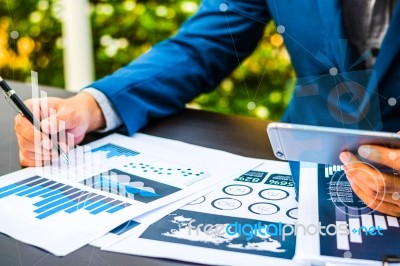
(20, 107)
(80, 114)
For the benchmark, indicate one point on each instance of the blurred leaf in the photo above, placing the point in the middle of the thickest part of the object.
(123, 30)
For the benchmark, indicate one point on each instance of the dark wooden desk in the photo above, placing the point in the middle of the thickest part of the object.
(240, 135)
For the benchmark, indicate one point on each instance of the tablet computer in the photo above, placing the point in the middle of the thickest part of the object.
(322, 144)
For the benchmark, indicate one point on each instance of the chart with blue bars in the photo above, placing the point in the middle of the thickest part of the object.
(130, 186)
(339, 205)
(57, 197)
(113, 150)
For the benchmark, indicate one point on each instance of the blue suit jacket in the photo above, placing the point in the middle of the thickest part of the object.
(211, 44)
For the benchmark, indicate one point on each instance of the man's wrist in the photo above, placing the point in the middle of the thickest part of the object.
(96, 116)
(112, 119)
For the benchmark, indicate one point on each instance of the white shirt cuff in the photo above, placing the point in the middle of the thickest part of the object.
(111, 116)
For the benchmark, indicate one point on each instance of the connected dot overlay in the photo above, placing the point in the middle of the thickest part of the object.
(251, 105)
(14, 34)
(347, 255)
(392, 101)
(396, 196)
(333, 71)
(223, 7)
(280, 29)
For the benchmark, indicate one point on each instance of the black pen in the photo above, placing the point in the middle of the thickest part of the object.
(21, 108)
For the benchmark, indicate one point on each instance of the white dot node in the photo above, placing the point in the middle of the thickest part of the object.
(14, 34)
(347, 255)
(333, 71)
(392, 101)
(251, 106)
(223, 7)
(392, 156)
(280, 29)
(396, 195)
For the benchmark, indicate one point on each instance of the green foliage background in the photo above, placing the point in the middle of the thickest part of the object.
(123, 30)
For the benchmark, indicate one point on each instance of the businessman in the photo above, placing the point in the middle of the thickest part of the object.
(346, 55)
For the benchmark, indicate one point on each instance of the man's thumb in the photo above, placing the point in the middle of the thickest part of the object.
(57, 123)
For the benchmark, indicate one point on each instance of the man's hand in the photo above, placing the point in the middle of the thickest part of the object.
(80, 113)
(378, 190)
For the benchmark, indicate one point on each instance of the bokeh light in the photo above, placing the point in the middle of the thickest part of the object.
(122, 31)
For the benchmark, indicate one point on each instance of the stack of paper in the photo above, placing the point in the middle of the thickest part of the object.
(238, 223)
(64, 207)
(348, 231)
(155, 197)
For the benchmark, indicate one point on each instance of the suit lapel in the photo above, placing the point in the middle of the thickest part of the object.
(330, 15)
(336, 46)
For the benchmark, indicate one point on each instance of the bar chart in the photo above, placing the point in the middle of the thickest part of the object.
(129, 186)
(332, 169)
(113, 150)
(340, 206)
(55, 197)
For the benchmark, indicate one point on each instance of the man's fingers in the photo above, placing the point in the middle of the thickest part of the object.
(358, 171)
(385, 205)
(27, 159)
(27, 133)
(55, 116)
(382, 155)
(53, 125)
(24, 161)
(64, 119)
(28, 146)
(379, 191)
(29, 137)
(38, 109)
(372, 195)
(369, 176)
(23, 127)
(38, 157)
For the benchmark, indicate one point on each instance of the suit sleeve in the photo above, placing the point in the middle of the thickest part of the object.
(206, 49)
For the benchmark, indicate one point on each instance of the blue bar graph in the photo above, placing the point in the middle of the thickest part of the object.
(93, 206)
(103, 208)
(51, 210)
(116, 208)
(55, 210)
(13, 191)
(19, 186)
(54, 185)
(113, 150)
(85, 203)
(99, 203)
(35, 188)
(25, 181)
(53, 192)
(58, 202)
(57, 197)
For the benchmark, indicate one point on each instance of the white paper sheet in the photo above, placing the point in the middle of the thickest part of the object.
(327, 199)
(124, 230)
(261, 197)
(128, 228)
(64, 207)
